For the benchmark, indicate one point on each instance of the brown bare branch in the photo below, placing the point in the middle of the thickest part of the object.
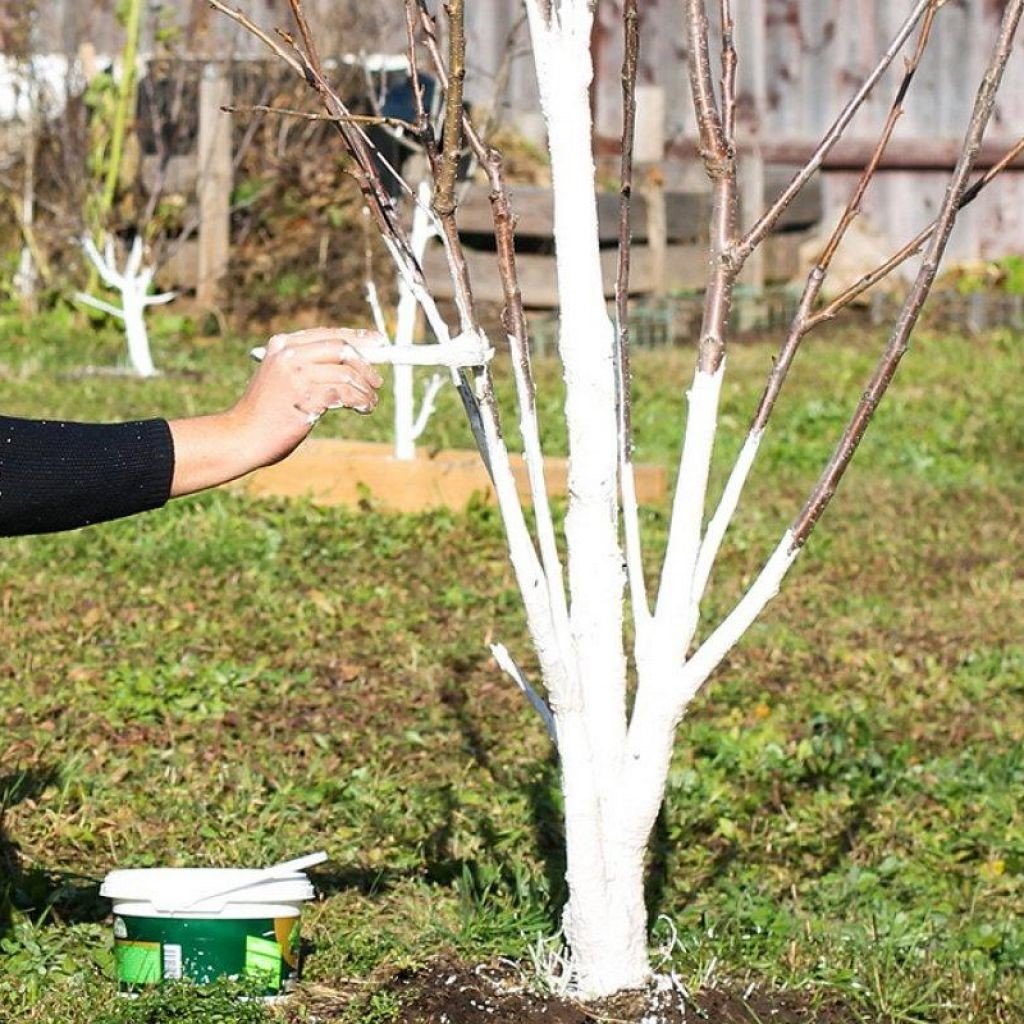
(756, 234)
(802, 321)
(631, 53)
(899, 340)
(363, 119)
(449, 229)
(913, 247)
(426, 128)
(239, 16)
(728, 73)
(720, 163)
(451, 134)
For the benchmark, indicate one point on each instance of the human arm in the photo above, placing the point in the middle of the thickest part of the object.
(58, 475)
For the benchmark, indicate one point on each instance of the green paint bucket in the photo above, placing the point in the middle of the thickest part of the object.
(202, 924)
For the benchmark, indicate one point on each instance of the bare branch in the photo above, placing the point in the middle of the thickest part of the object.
(720, 163)
(800, 326)
(899, 341)
(363, 119)
(239, 16)
(451, 135)
(426, 129)
(766, 222)
(623, 377)
(913, 247)
(728, 74)
(444, 208)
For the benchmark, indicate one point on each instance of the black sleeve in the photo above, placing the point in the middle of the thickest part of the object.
(59, 476)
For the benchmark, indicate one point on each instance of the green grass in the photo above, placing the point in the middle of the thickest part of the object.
(232, 682)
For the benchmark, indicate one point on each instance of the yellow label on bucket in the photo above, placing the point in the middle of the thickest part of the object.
(262, 957)
(138, 963)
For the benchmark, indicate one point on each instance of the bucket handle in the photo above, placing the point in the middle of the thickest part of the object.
(267, 874)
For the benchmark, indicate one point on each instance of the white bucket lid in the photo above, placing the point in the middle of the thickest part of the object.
(203, 889)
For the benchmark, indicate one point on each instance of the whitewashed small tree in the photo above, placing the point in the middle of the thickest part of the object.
(614, 753)
(409, 422)
(132, 282)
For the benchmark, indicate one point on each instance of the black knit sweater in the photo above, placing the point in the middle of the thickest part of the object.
(59, 476)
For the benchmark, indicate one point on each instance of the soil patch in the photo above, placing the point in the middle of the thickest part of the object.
(449, 992)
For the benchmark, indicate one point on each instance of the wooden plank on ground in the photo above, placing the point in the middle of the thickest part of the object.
(336, 472)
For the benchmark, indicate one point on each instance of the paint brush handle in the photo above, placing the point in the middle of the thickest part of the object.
(454, 354)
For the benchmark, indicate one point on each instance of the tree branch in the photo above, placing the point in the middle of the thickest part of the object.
(363, 119)
(913, 247)
(623, 377)
(766, 222)
(899, 341)
(728, 74)
(801, 325)
(676, 606)
(507, 664)
(451, 135)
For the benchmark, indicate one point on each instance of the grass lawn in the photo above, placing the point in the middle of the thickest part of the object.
(233, 682)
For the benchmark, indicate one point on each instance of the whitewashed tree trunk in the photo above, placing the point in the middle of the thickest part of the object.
(605, 919)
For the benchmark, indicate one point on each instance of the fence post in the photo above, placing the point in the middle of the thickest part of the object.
(213, 181)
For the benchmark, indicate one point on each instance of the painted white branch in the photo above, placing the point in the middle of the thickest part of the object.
(373, 300)
(559, 670)
(662, 700)
(464, 350)
(103, 307)
(434, 385)
(727, 506)
(710, 653)
(604, 920)
(533, 457)
(406, 425)
(423, 297)
(676, 593)
(586, 340)
(642, 618)
(133, 264)
(106, 268)
(507, 664)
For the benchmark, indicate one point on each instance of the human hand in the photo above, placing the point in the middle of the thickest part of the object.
(301, 376)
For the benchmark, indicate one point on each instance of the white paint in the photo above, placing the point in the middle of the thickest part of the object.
(710, 653)
(533, 456)
(464, 350)
(133, 285)
(720, 521)
(664, 694)
(676, 593)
